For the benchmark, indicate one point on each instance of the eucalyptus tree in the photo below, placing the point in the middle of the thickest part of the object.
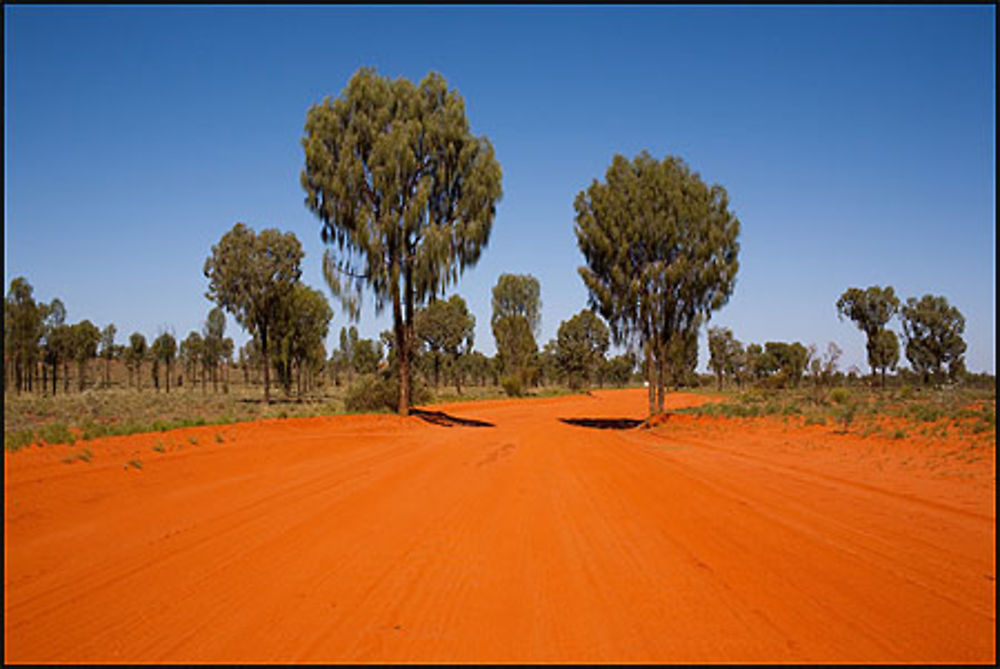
(581, 343)
(446, 326)
(405, 192)
(134, 356)
(515, 321)
(164, 349)
(86, 337)
(55, 343)
(661, 251)
(933, 331)
(191, 355)
(23, 329)
(251, 276)
(108, 351)
(213, 333)
(871, 309)
(722, 349)
(299, 333)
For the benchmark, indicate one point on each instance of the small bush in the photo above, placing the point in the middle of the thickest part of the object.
(512, 386)
(218, 437)
(373, 392)
(17, 439)
(899, 434)
(838, 396)
(134, 463)
(56, 433)
(815, 419)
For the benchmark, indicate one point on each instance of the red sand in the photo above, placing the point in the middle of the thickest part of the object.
(383, 539)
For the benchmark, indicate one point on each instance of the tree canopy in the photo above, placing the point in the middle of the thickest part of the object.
(446, 326)
(515, 320)
(581, 343)
(405, 192)
(661, 251)
(933, 331)
(252, 276)
(871, 309)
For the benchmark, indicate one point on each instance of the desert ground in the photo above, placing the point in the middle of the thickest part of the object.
(540, 530)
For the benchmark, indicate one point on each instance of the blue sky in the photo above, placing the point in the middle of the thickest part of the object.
(857, 145)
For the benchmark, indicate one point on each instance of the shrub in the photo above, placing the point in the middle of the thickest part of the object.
(373, 392)
(838, 396)
(512, 386)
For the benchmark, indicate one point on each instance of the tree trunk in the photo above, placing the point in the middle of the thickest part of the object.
(661, 380)
(402, 356)
(267, 366)
(650, 380)
(107, 372)
(168, 376)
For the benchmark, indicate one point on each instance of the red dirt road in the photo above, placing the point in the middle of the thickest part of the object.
(382, 539)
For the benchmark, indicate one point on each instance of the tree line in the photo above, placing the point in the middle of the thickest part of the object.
(406, 196)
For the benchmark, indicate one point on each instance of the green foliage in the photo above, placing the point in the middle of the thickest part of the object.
(512, 386)
(581, 343)
(726, 355)
(299, 332)
(252, 277)
(661, 251)
(871, 309)
(446, 326)
(376, 392)
(164, 349)
(933, 331)
(405, 192)
(787, 360)
(517, 295)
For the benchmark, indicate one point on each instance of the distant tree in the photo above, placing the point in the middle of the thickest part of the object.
(56, 347)
(191, 355)
(213, 332)
(722, 350)
(680, 358)
(367, 355)
(446, 326)
(736, 363)
(581, 343)
(86, 337)
(134, 356)
(108, 351)
(477, 365)
(515, 321)
(251, 276)
(164, 349)
(404, 189)
(885, 350)
(787, 360)
(23, 321)
(227, 361)
(620, 370)
(933, 331)
(298, 334)
(871, 309)
(757, 365)
(661, 251)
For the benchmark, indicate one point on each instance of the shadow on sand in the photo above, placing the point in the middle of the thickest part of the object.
(447, 420)
(604, 423)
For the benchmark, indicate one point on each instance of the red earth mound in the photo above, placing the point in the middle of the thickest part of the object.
(548, 530)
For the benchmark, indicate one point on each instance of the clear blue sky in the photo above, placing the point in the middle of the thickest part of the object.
(857, 145)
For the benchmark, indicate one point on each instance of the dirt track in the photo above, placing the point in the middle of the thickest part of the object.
(376, 538)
